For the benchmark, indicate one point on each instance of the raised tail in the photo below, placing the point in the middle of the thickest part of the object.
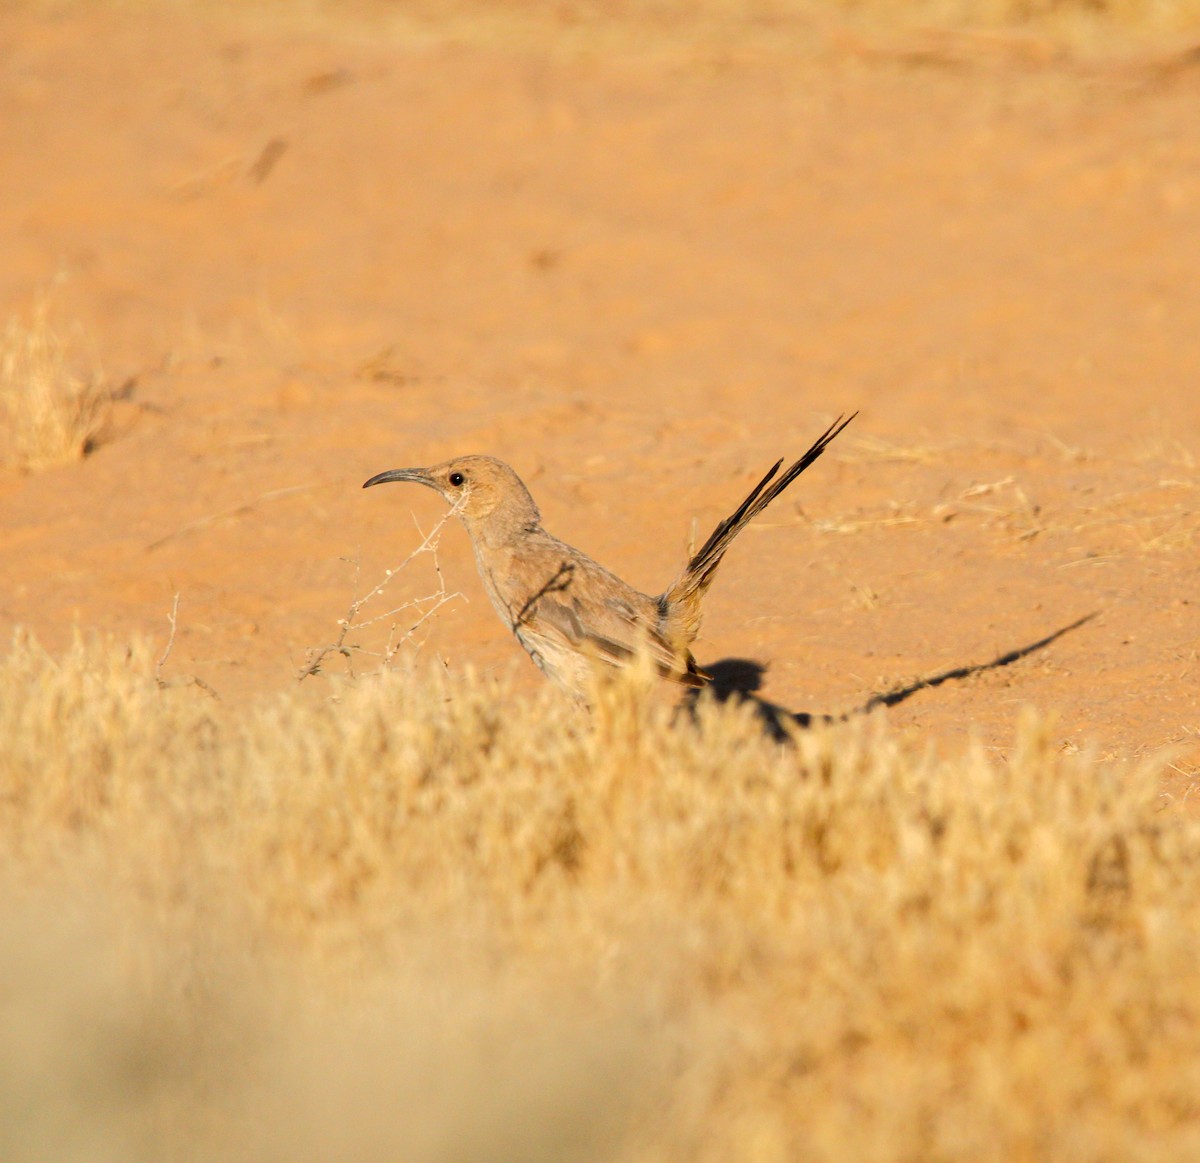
(681, 603)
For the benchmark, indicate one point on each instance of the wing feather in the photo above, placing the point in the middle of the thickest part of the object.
(617, 643)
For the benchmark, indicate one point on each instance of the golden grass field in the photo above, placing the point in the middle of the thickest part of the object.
(419, 907)
(427, 923)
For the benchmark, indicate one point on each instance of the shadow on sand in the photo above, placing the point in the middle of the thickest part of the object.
(741, 678)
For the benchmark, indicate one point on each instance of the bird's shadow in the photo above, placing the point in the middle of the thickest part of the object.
(741, 678)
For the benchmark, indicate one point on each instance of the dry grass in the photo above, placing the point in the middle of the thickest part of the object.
(435, 922)
(51, 410)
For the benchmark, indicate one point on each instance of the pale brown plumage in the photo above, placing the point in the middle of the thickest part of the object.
(566, 610)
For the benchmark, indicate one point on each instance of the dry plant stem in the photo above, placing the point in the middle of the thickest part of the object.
(425, 607)
(172, 618)
(191, 680)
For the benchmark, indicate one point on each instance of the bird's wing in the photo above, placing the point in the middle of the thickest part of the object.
(580, 607)
(611, 630)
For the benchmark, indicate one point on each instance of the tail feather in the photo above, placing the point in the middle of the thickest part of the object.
(683, 598)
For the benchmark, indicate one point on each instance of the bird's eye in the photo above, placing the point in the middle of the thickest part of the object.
(456, 479)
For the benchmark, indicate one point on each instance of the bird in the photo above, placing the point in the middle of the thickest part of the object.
(573, 616)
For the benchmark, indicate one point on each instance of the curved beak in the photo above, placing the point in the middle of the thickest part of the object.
(420, 475)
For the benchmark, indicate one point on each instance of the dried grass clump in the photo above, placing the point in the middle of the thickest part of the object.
(52, 412)
(433, 921)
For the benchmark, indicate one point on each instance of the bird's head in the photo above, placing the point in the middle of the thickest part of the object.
(487, 496)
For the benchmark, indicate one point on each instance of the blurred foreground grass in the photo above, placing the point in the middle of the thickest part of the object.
(435, 922)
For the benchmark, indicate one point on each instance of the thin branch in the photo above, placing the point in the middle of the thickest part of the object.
(158, 666)
(192, 679)
(434, 601)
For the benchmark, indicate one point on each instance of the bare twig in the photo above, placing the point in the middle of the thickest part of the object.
(423, 608)
(158, 666)
(192, 679)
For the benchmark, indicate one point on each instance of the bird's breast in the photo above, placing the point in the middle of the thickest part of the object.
(497, 572)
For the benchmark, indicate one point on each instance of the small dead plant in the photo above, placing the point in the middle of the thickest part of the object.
(50, 411)
(407, 618)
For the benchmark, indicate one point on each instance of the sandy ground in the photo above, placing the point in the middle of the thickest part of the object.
(307, 255)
